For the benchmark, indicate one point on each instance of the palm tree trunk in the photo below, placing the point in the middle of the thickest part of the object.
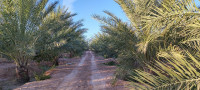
(22, 74)
(71, 54)
(56, 63)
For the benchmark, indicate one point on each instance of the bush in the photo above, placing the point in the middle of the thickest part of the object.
(41, 77)
(111, 63)
(46, 68)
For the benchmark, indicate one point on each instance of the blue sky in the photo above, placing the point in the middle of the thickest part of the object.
(86, 8)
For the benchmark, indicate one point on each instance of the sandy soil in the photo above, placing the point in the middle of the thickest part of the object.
(4, 68)
(87, 73)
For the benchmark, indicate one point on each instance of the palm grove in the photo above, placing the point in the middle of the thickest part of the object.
(36, 30)
(158, 48)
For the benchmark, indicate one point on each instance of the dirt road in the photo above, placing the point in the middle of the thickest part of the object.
(87, 73)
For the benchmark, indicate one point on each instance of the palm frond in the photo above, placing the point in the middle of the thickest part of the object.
(177, 70)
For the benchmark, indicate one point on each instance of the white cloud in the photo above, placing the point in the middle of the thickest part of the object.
(69, 4)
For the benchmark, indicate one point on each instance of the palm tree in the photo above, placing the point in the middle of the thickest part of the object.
(19, 27)
(167, 46)
(158, 26)
(118, 40)
(170, 34)
(102, 44)
(59, 32)
(178, 71)
(114, 27)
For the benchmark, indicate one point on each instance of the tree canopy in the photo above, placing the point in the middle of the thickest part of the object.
(35, 30)
(158, 48)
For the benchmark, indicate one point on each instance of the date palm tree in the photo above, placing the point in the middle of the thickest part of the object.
(59, 34)
(167, 34)
(161, 25)
(171, 29)
(19, 30)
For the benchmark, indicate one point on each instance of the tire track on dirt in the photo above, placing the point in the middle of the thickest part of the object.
(96, 78)
(69, 80)
(87, 74)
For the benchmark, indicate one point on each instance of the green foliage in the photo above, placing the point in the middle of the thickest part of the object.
(163, 48)
(31, 30)
(41, 77)
(102, 46)
(20, 20)
(179, 70)
(111, 63)
(19, 31)
(174, 25)
(60, 34)
(118, 40)
(117, 36)
(46, 68)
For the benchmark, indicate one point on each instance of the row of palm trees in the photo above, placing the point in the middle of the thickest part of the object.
(158, 48)
(36, 30)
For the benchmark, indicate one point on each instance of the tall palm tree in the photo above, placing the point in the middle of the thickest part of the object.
(167, 34)
(59, 32)
(171, 30)
(118, 40)
(19, 27)
(102, 44)
(114, 28)
(161, 24)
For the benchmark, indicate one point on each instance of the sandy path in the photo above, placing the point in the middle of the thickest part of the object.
(87, 74)
(96, 77)
(70, 81)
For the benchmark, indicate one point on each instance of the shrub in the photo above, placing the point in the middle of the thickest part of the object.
(41, 77)
(111, 63)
